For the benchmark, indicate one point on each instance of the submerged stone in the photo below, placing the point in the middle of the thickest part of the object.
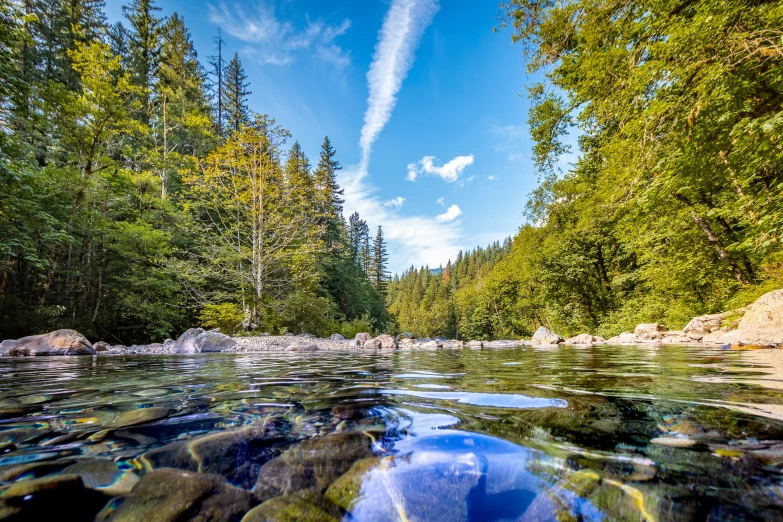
(304, 506)
(45, 498)
(312, 464)
(169, 495)
(140, 416)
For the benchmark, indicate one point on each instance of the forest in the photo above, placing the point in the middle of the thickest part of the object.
(141, 195)
(674, 207)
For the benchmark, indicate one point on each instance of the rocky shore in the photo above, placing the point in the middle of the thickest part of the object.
(759, 325)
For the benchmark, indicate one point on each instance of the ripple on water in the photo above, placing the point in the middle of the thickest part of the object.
(494, 400)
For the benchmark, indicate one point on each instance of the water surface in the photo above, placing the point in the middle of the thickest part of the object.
(603, 433)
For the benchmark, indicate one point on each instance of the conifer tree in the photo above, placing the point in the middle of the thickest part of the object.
(236, 93)
(144, 45)
(380, 258)
(329, 193)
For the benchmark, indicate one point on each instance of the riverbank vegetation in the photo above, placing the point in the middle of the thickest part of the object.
(141, 194)
(674, 207)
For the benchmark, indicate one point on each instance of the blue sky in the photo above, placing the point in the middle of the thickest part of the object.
(420, 98)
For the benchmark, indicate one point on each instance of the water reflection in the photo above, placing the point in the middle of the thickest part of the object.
(622, 433)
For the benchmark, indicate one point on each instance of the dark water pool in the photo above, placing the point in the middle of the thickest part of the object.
(568, 434)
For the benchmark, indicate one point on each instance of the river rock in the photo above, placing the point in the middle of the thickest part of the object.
(363, 337)
(196, 340)
(303, 506)
(59, 342)
(336, 337)
(675, 337)
(236, 454)
(649, 332)
(580, 339)
(101, 346)
(186, 343)
(762, 324)
(302, 346)
(546, 336)
(387, 342)
(141, 416)
(623, 338)
(700, 326)
(5, 346)
(431, 345)
(44, 499)
(169, 495)
(312, 464)
(475, 344)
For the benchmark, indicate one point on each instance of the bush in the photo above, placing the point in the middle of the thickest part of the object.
(226, 316)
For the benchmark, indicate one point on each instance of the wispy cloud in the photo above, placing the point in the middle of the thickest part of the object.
(441, 201)
(452, 213)
(450, 171)
(394, 202)
(413, 240)
(398, 39)
(491, 178)
(278, 42)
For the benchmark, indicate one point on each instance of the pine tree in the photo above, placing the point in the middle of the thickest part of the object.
(329, 193)
(145, 45)
(237, 112)
(380, 257)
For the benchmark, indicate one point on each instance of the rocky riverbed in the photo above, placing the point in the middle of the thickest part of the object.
(758, 325)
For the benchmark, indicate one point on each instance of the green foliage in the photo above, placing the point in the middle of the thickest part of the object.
(125, 215)
(226, 316)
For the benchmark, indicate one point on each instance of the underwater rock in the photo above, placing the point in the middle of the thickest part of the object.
(546, 336)
(345, 490)
(104, 476)
(140, 416)
(169, 495)
(304, 506)
(674, 442)
(312, 464)
(45, 498)
(59, 342)
(237, 454)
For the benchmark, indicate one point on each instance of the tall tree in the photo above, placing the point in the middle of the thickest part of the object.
(237, 91)
(380, 258)
(144, 46)
(217, 69)
(329, 193)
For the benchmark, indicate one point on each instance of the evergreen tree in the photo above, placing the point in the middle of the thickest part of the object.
(144, 45)
(329, 193)
(236, 93)
(380, 258)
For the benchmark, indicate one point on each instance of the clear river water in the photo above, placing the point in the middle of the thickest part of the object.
(565, 434)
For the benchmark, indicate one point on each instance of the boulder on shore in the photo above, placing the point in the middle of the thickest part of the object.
(101, 346)
(762, 324)
(623, 338)
(581, 339)
(649, 332)
(362, 337)
(382, 342)
(337, 337)
(196, 340)
(59, 342)
(546, 336)
(475, 344)
(703, 325)
(302, 346)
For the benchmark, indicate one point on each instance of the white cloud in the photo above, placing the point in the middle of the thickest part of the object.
(452, 213)
(491, 178)
(395, 202)
(450, 171)
(398, 39)
(413, 240)
(441, 202)
(276, 42)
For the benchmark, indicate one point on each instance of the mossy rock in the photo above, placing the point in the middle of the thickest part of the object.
(304, 506)
(141, 416)
(345, 490)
